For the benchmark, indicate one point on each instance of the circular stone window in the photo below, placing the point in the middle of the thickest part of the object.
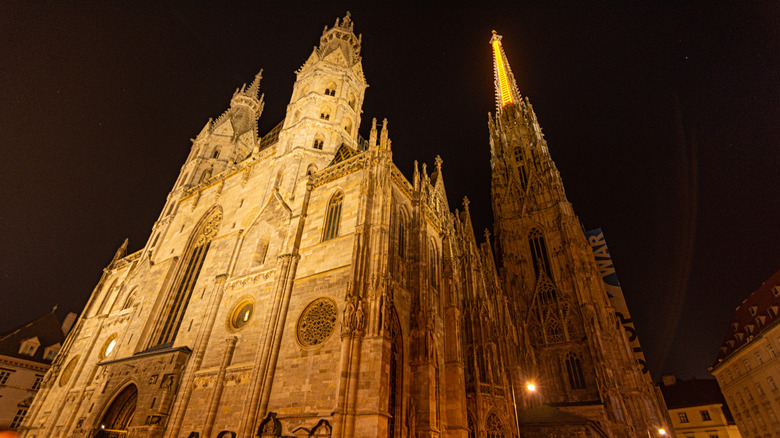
(68, 371)
(241, 315)
(317, 322)
(108, 346)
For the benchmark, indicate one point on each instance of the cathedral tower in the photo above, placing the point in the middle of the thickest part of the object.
(572, 346)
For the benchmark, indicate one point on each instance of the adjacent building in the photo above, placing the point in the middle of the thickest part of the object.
(747, 367)
(26, 353)
(697, 408)
(298, 284)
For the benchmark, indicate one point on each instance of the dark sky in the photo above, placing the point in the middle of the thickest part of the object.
(664, 122)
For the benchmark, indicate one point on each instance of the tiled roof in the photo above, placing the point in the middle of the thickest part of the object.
(46, 328)
(758, 312)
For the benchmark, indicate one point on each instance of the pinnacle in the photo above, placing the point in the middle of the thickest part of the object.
(254, 88)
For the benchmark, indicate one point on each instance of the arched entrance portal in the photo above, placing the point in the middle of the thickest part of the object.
(119, 415)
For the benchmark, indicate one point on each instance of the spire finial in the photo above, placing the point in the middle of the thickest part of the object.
(254, 87)
(506, 87)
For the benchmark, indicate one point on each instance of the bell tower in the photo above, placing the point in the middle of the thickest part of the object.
(324, 110)
(575, 350)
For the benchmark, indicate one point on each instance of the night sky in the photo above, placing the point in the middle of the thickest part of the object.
(664, 122)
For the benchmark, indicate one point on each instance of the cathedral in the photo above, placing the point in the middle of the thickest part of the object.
(297, 284)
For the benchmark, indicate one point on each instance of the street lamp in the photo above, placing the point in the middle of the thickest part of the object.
(530, 386)
(662, 432)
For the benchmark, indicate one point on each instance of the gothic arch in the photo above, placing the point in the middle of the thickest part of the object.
(494, 425)
(119, 413)
(264, 238)
(188, 271)
(395, 376)
(332, 225)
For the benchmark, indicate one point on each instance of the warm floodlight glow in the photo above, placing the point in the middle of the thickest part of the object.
(501, 72)
(661, 431)
(530, 386)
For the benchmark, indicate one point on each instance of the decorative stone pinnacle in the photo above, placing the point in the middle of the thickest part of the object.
(438, 161)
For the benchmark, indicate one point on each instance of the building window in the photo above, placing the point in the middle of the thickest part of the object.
(705, 415)
(772, 416)
(574, 369)
(215, 154)
(747, 365)
(434, 268)
(241, 314)
(333, 217)
(521, 167)
(318, 144)
(188, 277)
(494, 427)
(401, 237)
(770, 350)
(37, 383)
(771, 383)
(759, 359)
(4, 375)
(683, 417)
(729, 376)
(539, 253)
(325, 116)
(18, 418)
(749, 394)
(759, 389)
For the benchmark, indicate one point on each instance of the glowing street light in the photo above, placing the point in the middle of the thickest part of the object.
(662, 432)
(530, 386)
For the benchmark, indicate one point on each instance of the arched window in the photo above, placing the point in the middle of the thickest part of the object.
(216, 153)
(574, 369)
(348, 126)
(330, 90)
(352, 101)
(188, 274)
(472, 428)
(539, 253)
(333, 217)
(521, 167)
(130, 300)
(318, 143)
(402, 234)
(279, 178)
(261, 250)
(494, 427)
(325, 114)
(205, 175)
(434, 262)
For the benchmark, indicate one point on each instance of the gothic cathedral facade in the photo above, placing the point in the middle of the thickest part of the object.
(298, 284)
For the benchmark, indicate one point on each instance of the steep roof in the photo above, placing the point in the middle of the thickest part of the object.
(46, 328)
(757, 313)
(695, 392)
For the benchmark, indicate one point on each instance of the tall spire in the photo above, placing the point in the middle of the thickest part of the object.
(506, 87)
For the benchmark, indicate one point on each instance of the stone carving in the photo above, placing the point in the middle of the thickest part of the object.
(317, 322)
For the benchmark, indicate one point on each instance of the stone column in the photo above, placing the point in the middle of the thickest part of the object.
(197, 358)
(219, 385)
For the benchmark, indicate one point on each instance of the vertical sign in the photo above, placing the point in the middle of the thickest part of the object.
(615, 294)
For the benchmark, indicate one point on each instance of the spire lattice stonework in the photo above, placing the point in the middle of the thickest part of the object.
(506, 87)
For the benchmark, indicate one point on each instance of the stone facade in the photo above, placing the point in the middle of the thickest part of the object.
(298, 284)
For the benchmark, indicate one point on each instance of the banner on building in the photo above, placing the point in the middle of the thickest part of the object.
(615, 293)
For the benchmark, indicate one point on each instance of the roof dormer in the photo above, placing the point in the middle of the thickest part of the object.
(28, 347)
